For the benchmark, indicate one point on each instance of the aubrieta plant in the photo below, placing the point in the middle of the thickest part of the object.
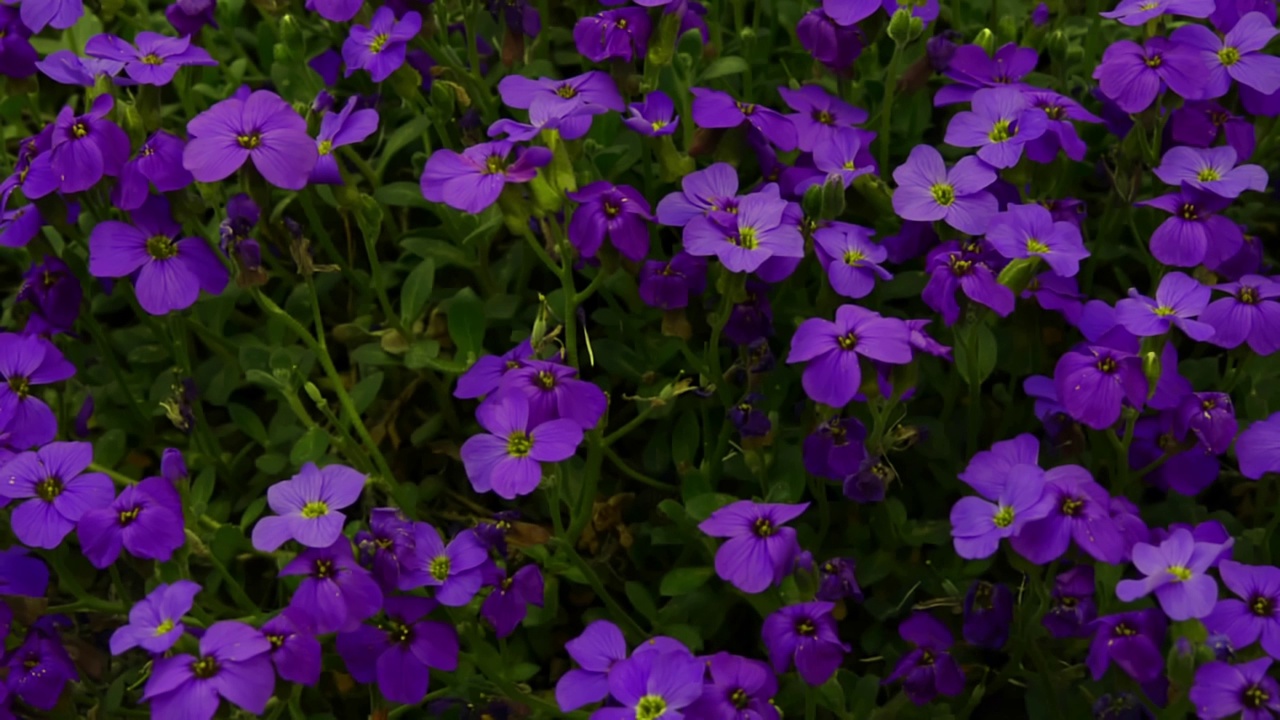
(639, 359)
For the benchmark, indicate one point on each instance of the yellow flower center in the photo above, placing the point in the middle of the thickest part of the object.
(323, 569)
(161, 247)
(379, 42)
(1247, 295)
(1071, 506)
(806, 628)
(440, 568)
(546, 380)
(650, 707)
(1262, 606)
(739, 699)
(315, 509)
(1180, 573)
(250, 141)
(1055, 112)
(943, 194)
(847, 341)
(49, 488)
(1208, 175)
(854, 258)
(1255, 697)
(128, 516)
(325, 147)
(1165, 311)
(152, 59)
(1229, 56)
(745, 238)
(1001, 131)
(20, 386)
(1107, 365)
(658, 124)
(519, 444)
(204, 668)
(165, 627)
(566, 91)
(1003, 517)
(79, 129)
(763, 527)
(1036, 247)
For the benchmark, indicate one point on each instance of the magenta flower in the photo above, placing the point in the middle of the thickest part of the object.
(927, 191)
(380, 46)
(1176, 572)
(261, 128)
(155, 622)
(472, 180)
(1025, 231)
(154, 61)
(1239, 56)
(508, 459)
(306, 507)
(999, 125)
(27, 361)
(1179, 299)
(234, 665)
(760, 552)
(832, 349)
(1210, 169)
(57, 491)
(617, 212)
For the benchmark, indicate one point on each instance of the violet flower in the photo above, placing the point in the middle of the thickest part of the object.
(57, 491)
(835, 449)
(1210, 417)
(1025, 231)
(819, 116)
(715, 109)
(617, 212)
(1132, 641)
(506, 607)
(67, 68)
(745, 239)
(485, 375)
(1239, 56)
(1179, 299)
(155, 622)
(620, 34)
(1221, 690)
(22, 573)
(1175, 571)
(739, 688)
(1210, 169)
(1194, 229)
(336, 594)
(1138, 12)
(347, 127)
(667, 284)
(1200, 123)
(988, 615)
(555, 392)
(380, 46)
(1132, 75)
(832, 350)
(973, 69)
(653, 685)
(599, 647)
(145, 519)
(153, 59)
(157, 164)
(472, 180)
(1077, 508)
(654, 117)
(306, 507)
(295, 651)
(261, 128)
(455, 571)
(1255, 615)
(1071, 604)
(1094, 381)
(85, 147)
(233, 665)
(1003, 509)
(804, 634)
(27, 362)
(401, 651)
(928, 191)
(1249, 314)
(928, 670)
(39, 670)
(711, 189)
(999, 125)
(971, 269)
(760, 551)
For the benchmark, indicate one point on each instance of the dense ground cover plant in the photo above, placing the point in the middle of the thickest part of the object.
(639, 360)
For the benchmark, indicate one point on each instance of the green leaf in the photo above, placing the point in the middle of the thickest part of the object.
(401, 194)
(202, 490)
(975, 353)
(110, 448)
(466, 323)
(730, 65)
(310, 447)
(417, 290)
(365, 391)
(249, 423)
(421, 354)
(685, 439)
(683, 581)
(641, 600)
(369, 218)
(405, 134)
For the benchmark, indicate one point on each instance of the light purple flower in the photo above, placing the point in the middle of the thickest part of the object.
(347, 127)
(155, 60)
(57, 491)
(306, 507)
(999, 125)
(1138, 12)
(927, 191)
(380, 46)
(261, 128)
(508, 458)
(1175, 571)
(760, 552)
(1239, 56)
(1210, 169)
(472, 180)
(1025, 231)
(155, 622)
(1179, 299)
(745, 239)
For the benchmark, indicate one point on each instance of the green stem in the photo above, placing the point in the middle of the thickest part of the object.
(587, 494)
(233, 586)
(629, 626)
(634, 474)
(886, 109)
(117, 374)
(378, 280)
(634, 423)
(117, 478)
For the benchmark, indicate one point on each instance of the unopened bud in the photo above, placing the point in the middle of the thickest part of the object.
(832, 197)
(1017, 275)
(986, 40)
(900, 29)
(1151, 367)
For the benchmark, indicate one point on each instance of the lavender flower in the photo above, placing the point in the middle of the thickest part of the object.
(613, 34)
(472, 180)
(456, 571)
(1072, 606)
(261, 128)
(380, 46)
(1258, 448)
(1077, 508)
(56, 489)
(712, 189)
(1179, 299)
(654, 117)
(805, 634)
(715, 109)
(819, 116)
(1175, 571)
(1025, 231)
(67, 68)
(58, 14)
(155, 60)
(1137, 12)
(999, 125)
(832, 350)
(1004, 508)
(155, 622)
(1195, 229)
(739, 688)
(157, 164)
(506, 607)
(653, 685)
(555, 392)
(1238, 56)
(347, 127)
(485, 375)
(745, 239)
(233, 664)
(927, 191)
(1255, 616)
(1210, 169)
(295, 652)
(336, 594)
(1132, 75)
(1249, 314)
(1093, 381)
(760, 552)
(596, 650)
(306, 507)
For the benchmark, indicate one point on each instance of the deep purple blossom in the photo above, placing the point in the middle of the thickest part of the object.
(1060, 133)
(21, 573)
(928, 191)
(835, 46)
(599, 647)
(1025, 231)
(39, 669)
(234, 665)
(506, 607)
(455, 571)
(57, 491)
(1131, 640)
(715, 109)
(835, 449)
(338, 11)
(740, 689)
(712, 189)
(654, 117)
(617, 212)
(819, 116)
(1003, 509)
(833, 351)
(618, 34)
(155, 622)
(145, 519)
(58, 14)
(1175, 572)
(169, 272)
(1071, 604)
(748, 418)
(1249, 314)
(380, 46)
(1138, 12)
(1195, 229)
(1094, 381)
(401, 651)
(973, 69)
(508, 459)
(381, 547)
(837, 581)
(1189, 468)
(744, 240)
(158, 164)
(17, 56)
(336, 594)
(760, 551)
(928, 670)
(1222, 690)
(67, 68)
(555, 392)
(970, 268)
(485, 375)
(295, 651)
(84, 148)
(1254, 614)
(653, 685)
(999, 125)
(988, 615)
(1179, 299)
(1200, 123)
(667, 284)
(472, 180)
(1210, 417)
(1258, 448)
(153, 59)
(1132, 75)
(1077, 509)
(1210, 169)
(261, 128)
(805, 634)
(26, 362)
(189, 17)
(579, 97)
(1239, 56)
(346, 127)
(306, 507)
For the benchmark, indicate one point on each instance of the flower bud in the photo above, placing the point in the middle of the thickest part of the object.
(1017, 275)
(1151, 368)
(1057, 45)
(986, 40)
(900, 27)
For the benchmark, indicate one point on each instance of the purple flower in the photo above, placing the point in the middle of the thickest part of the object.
(347, 127)
(988, 615)
(380, 46)
(145, 519)
(22, 573)
(59, 491)
(618, 212)
(715, 109)
(556, 393)
(653, 685)
(968, 268)
(835, 46)
(745, 239)
(751, 319)
(618, 34)
(835, 449)
(1000, 123)
(400, 652)
(1138, 12)
(155, 60)
(1077, 509)
(1195, 228)
(596, 650)
(388, 539)
(760, 552)
(58, 14)
(1093, 381)
(1189, 469)
(1025, 231)
(819, 115)
(263, 129)
(1210, 417)
(929, 669)
(749, 418)
(67, 68)
(39, 670)
(712, 189)
(1210, 169)
(52, 295)
(1179, 299)
(473, 179)
(1255, 616)
(17, 56)
(1071, 604)
(508, 460)
(26, 362)
(189, 17)
(1199, 124)
(1132, 75)
(1059, 111)
(849, 12)
(155, 622)
(1227, 14)
(486, 374)
(927, 191)
(506, 607)
(832, 349)
(159, 164)
(844, 153)
(170, 273)
(336, 594)
(973, 69)
(234, 664)
(805, 634)
(1175, 571)
(338, 11)
(1132, 641)
(456, 571)
(1004, 508)
(1258, 448)
(1238, 56)
(85, 147)
(837, 581)
(1248, 314)
(1222, 690)
(667, 284)
(654, 117)
(306, 506)
(740, 689)
(578, 97)
(295, 652)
